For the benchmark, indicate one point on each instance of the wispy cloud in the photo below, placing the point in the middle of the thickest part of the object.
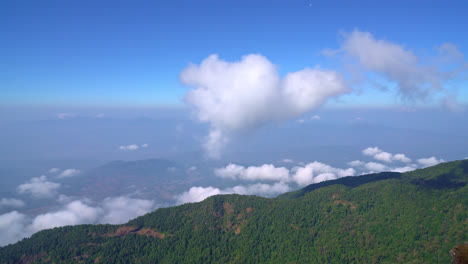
(415, 77)
(129, 147)
(133, 147)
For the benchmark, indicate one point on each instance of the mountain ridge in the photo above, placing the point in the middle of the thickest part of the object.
(413, 217)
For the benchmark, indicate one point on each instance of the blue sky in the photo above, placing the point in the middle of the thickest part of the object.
(121, 53)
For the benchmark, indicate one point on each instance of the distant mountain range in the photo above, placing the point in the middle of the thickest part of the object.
(151, 178)
(413, 217)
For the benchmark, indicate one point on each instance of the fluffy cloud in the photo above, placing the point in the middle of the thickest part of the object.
(375, 167)
(121, 209)
(316, 172)
(68, 173)
(415, 78)
(117, 210)
(39, 187)
(129, 147)
(266, 172)
(198, 194)
(74, 213)
(244, 95)
(356, 163)
(381, 155)
(11, 202)
(427, 162)
(12, 228)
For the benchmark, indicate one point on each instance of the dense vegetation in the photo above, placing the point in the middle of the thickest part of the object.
(414, 217)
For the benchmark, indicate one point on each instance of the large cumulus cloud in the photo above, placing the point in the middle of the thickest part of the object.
(244, 95)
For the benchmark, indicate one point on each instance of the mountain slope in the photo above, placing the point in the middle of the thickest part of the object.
(414, 217)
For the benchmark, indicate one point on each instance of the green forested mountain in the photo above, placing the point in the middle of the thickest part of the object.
(414, 217)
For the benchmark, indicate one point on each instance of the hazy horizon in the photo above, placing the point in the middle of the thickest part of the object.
(243, 97)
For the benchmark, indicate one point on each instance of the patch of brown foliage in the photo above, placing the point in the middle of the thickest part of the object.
(125, 230)
(151, 233)
(31, 259)
(459, 254)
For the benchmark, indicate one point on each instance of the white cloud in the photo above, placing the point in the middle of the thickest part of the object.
(119, 210)
(198, 194)
(375, 167)
(402, 158)
(405, 169)
(381, 155)
(287, 161)
(261, 189)
(244, 95)
(129, 147)
(144, 145)
(266, 172)
(68, 173)
(12, 228)
(39, 187)
(356, 163)
(415, 78)
(427, 162)
(316, 172)
(11, 202)
(54, 170)
(74, 213)
(371, 151)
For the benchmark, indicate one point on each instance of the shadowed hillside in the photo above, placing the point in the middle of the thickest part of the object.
(414, 217)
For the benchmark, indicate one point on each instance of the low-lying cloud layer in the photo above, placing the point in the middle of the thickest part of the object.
(39, 187)
(198, 194)
(387, 157)
(11, 202)
(300, 176)
(117, 210)
(244, 95)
